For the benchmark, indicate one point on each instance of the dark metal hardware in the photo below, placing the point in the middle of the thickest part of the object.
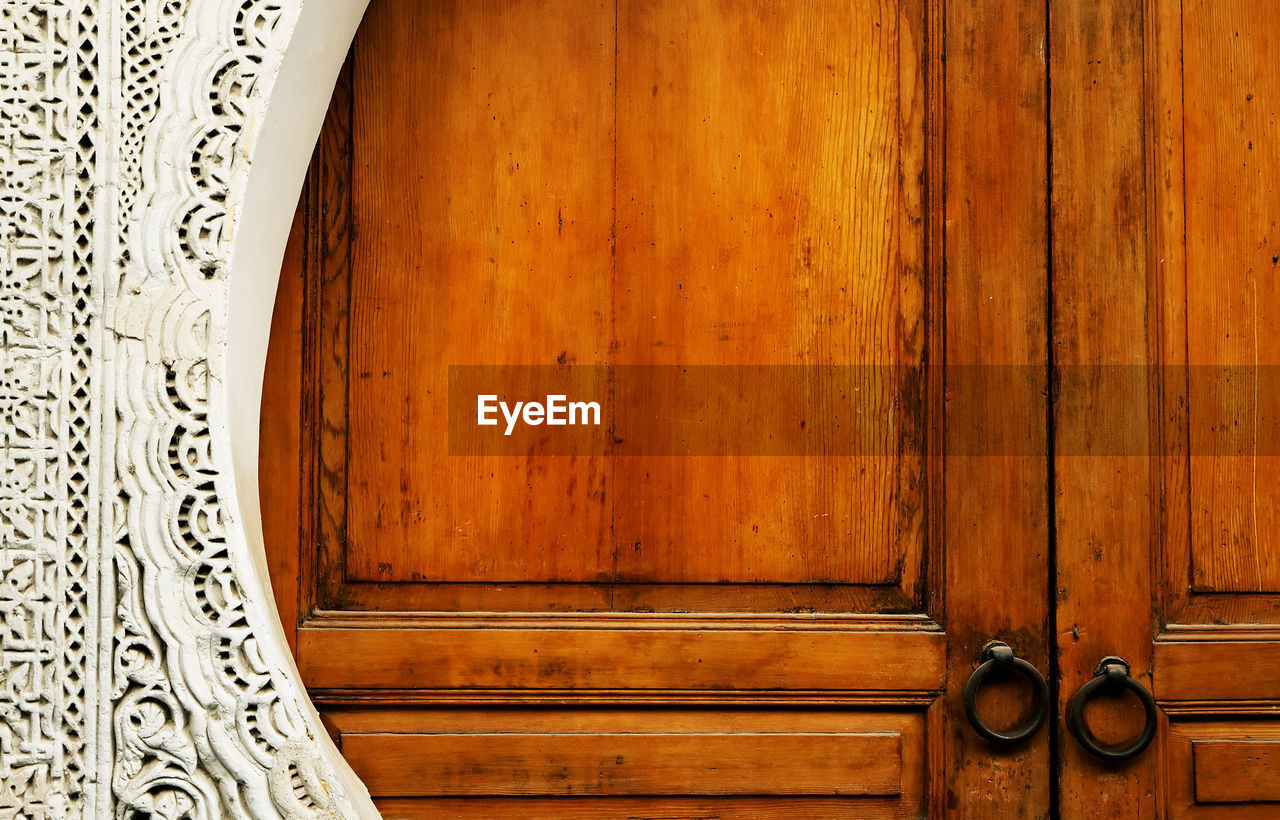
(1111, 675)
(998, 658)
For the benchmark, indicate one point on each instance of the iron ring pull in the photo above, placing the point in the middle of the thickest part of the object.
(1112, 675)
(998, 657)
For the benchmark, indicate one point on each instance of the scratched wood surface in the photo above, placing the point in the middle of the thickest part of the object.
(997, 510)
(769, 173)
(481, 196)
(1164, 253)
(647, 196)
(1101, 470)
(655, 183)
(731, 763)
(1231, 96)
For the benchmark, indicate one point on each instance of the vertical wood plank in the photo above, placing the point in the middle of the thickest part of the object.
(770, 195)
(1102, 475)
(997, 505)
(481, 191)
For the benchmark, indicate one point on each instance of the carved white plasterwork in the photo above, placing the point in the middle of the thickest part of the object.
(142, 673)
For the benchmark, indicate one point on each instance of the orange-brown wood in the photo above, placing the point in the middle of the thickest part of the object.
(769, 212)
(481, 195)
(569, 655)
(1163, 213)
(1231, 185)
(996, 514)
(1218, 665)
(621, 722)
(1221, 767)
(1214, 418)
(807, 274)
(812, 764)
(675, 183)
(284, 503)
(610, 808)
(1102, 472)
(1237, 771)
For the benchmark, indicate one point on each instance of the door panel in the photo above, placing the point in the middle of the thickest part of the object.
(583, 186)
(1224, 769)
(1231, 186)
(1218, 237)
(1216, 203)
(640, 652)
(1211, 164)
(699, 214)
(1165, 245)
(758, 763)
(709, 219)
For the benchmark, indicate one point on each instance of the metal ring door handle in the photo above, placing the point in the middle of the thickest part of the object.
(1111, 675)
(998, 658)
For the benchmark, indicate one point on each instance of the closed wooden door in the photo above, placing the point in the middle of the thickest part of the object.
(1013, 264)
(1165, 121)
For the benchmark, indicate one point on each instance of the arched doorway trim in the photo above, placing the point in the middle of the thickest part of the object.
(154, 153)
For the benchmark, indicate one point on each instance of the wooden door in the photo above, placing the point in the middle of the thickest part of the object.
(1165, 129)
(676, 624)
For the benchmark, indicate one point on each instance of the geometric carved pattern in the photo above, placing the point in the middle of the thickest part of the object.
(132, 679)
(48, 145)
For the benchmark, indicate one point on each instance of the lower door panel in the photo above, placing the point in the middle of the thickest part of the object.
(647, 762)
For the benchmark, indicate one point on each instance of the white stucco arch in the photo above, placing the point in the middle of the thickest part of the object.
(278, 158)
(155, 153)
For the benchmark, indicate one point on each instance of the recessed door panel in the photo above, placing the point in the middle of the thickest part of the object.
(1231, 131)
(653, 184)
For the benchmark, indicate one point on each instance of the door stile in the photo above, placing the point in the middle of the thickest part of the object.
(997, 512)
(1102, 465)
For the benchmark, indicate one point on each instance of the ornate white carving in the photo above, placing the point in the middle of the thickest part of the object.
(140, 672)
(49, 137)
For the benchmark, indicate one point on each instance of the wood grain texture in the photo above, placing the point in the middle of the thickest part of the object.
(327, 323)
(769, 212)
(996, 527)
(857, 275)
(1103, 508)
(907, 723)
(631, 597)
(1211, 762)
(1196, 670)
(1231, 99)
(653, 808)
(1225, 557)
(1214, 91)
(284, 503)
(621, 722)
(810, 764)
(818, 257)
(560, 656)
(481, 203)
(1237, 771)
